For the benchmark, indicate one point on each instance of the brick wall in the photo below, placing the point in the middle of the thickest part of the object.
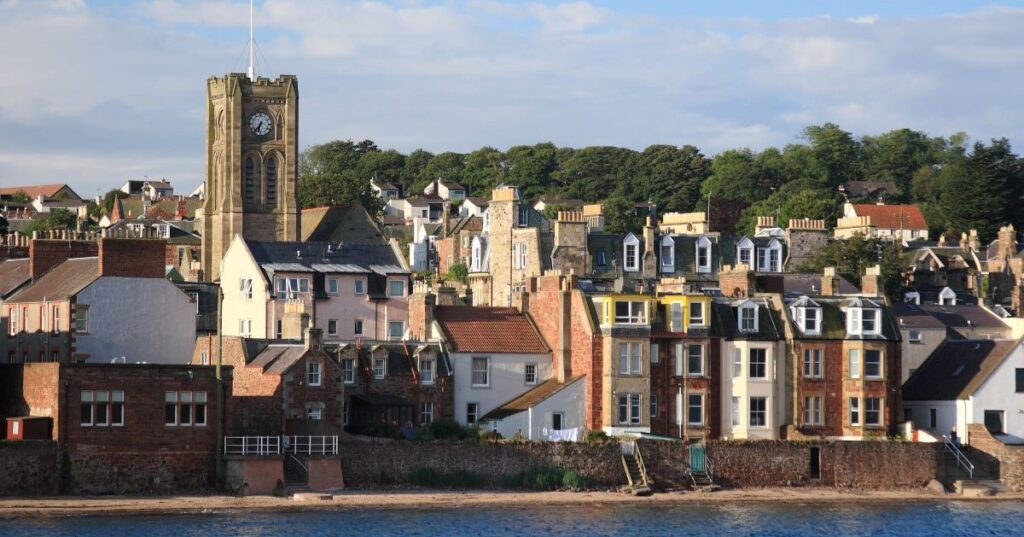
(863, 465)
(382, 463)
(30, 390)
(44, 254)
(135, 258)
(29, 468)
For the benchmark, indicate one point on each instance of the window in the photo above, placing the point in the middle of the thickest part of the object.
(426, 413)
(873, 411)
(631, 253)
(12, 315)
(348, 370)
(396, 288)
(204, 359)
(629, 358)
(602, 258)
(396, 329)
(869, 322)
(313, 373)
(736, 412)
(748, 318)
(994, 421)
(519, 255)
(245, 288)
(55, 327)
(359, 286)
(476, 255)
(854, 411)
(380, 366)
(812, 411)
(279, 325)
(812, 364)
(744, 252)
(758, 366)
(81, 320)
(933, 418)
(557, 420)
(655, 358)
(250, 181)
(629, 409)
(481, 371)
(185, 409)
(768, 257)
(358, 327)
(1019, 379)
(695, 409)
(758, 412)
(332, 327)
(675, 311)
(102, 408)
(530, 373)
(696, 314)
(854, 363)
(915, 336)
(426, 369)
(811, 322)
(872, 364)
(332, 286)
(703, 255)
(654, 405)
(524, 216)
(695, 360)
(287, 287)
(314, 412)
(630, 312)
(245, 327)
(737, 364)
(679, 359)
(271, 182)
(668, 254)
(863, 321)
(472, 412)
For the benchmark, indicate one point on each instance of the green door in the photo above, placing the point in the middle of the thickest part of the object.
(697, 459)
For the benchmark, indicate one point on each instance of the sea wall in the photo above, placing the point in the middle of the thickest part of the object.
(868, 465)
(30, 468)
(389, 463)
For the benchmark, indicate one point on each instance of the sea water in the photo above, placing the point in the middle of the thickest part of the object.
(689, 519)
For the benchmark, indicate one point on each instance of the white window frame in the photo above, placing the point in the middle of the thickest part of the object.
(737, 416)
(474, 371)
(314, 373)
(699, 320)
(631, 243)
(745, 246)
(391, 331)
(245, 327)
(813, 363)
(751, 412)
(737, 364)
(348, 370)
(853, 360)
(427, 366)
(314, 413)
(668, 262)
(699, 359)
(690, 406)
(703, 244)
(675, 311)
(750, 363)
(245, 288)
(81, 319)
(752, 307)
(530, 374)
(854, 411)
(881, 365)
(380, 366)
(813, 410)
(633, 314)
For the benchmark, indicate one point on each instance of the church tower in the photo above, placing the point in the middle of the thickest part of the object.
(252, 150)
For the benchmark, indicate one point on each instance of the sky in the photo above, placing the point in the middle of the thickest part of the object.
(98, 92)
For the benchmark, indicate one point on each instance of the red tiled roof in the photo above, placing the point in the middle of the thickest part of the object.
(34, 190)
(890, 216)
(497, 330)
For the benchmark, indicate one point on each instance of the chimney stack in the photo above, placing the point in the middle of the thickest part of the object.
(869, 284)
(829, 282)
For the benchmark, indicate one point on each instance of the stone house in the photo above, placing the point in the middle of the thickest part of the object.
(1004, 264)
(349, 291)
(123, 427)
(455, 246)
(115, 305)
(943, 275)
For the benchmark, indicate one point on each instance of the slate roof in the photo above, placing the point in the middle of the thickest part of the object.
(833, 319)
(810, 284)
(725, 322)
(63, 281)
(913, 316)
(890, 216)
(530, 399)
(321, 256)
(956, 369)
(491, 330)
(963, 316)
(178, 234)
(278, 358)
(350, 224)
(482, 203)
(13, 274)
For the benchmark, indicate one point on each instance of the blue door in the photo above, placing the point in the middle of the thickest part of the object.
(697, 459)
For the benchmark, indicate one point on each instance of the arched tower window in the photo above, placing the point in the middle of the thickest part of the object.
(250, 181)
(271, 182)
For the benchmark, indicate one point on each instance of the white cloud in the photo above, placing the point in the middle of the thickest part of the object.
(97, 95)
(866, 19)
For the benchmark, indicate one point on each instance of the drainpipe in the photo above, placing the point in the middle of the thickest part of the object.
(220, 388)
(680, 416)
(529, 423)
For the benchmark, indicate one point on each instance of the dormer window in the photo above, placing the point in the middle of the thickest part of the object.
(863, 321)
(745, 252)
(747, 317)
(631, 312)
(703, 255)
(947, 297)
(696, 314)
(602, 258)
(631, 253)
(524, 216)
(668, 254)
(807, 314)
(912, 297)
(768, 258)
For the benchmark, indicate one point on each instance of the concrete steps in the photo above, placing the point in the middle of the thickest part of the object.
(976, 488)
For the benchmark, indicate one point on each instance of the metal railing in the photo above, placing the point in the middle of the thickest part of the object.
(312, 445)
(252, 445)
(961, 459)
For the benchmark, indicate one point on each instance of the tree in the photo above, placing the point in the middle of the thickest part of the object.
(458, 272)
(837, 151)
(56, 219)
(980, 191)
(530, 167)
(851, 257)
(591, 171)
(793, 201)
(898, 156)
(414, 165)
(484, 169)
(620, 214)
(21, 197)
(672, 177)
(386, 166)
(447, 166)
(329, 175)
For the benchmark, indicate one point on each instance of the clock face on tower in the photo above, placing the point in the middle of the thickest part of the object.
(259, 124)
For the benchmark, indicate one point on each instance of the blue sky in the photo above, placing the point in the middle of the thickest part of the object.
(108, 90)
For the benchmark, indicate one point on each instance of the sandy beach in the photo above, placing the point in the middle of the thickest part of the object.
(419, 499)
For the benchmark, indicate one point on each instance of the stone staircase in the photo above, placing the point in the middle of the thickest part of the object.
(976, 488)
(296, 478)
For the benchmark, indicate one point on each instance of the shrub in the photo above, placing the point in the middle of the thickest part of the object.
(545, 479)
(447, 429)
(594, 437)
(572, 480)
